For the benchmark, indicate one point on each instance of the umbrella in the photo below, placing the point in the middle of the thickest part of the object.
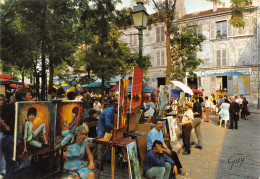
(182, 86)
(196, 91)
(6, 76)
(56, 87)
(146, 89)
(65, 86)
(115, 87)
(76, 89)
(97, 85)
(175, 93)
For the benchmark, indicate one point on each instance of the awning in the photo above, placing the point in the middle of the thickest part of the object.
(6, 76)
(97, 85)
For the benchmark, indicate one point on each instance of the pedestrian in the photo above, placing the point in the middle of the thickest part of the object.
(3, 126)
(206, 109)
(156, 163)
(7, 143)
(234, 113)
(245, 109)
(52, 92)
(197, 121)
(187, 120)
(156, 134)
(224, 112)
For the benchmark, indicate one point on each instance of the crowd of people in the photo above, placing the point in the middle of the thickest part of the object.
(160, 161)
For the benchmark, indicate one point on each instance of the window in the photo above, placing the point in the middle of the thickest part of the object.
(194, 29)
(221, 29)
(133, 38)
(160, 58)
(221, 58)
(160, 34)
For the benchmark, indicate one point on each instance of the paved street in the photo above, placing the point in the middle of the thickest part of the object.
(226, 153)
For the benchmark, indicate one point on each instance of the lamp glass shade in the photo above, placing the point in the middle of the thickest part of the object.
(138, 19)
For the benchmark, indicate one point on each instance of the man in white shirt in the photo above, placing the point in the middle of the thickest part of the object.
(187, 119)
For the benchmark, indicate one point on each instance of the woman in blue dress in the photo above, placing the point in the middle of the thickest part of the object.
(75, 153)
(224, 112)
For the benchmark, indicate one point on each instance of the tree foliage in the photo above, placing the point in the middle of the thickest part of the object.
(185, 44)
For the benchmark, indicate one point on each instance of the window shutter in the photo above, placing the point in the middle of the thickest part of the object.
(212, 30)
(218, 58)
(230, 29)
(162, 58)
(158, 58)
(224, 57)
(157, 34)
(200, 29)
(162, 34)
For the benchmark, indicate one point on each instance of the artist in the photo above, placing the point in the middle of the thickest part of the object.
(156, 134)
(156, 163)
(105, 123)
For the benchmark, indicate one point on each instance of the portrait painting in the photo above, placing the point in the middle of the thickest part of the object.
(69, 119)
(33, 128)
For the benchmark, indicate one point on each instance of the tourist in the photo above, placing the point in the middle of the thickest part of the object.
(224, 112)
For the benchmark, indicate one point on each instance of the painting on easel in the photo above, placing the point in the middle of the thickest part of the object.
(133, 161)
(69, 119)
(137, 85)
(123, 100)
(34, 123)
(164, 97)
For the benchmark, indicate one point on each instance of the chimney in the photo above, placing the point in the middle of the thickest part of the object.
(215, 7)
(180, 10)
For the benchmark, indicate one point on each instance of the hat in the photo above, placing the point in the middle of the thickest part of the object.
(189, 104)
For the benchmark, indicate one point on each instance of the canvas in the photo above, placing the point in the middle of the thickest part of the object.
(69, 120)
(33, 128)
(136, 94)
(173, 127)
(133, 161)
(164, 98)
(123, 101)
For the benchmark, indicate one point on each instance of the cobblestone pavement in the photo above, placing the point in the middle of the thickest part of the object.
(226, 153)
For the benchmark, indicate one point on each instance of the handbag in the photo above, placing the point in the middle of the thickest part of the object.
(248, 113)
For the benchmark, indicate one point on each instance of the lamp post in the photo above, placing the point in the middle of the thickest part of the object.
(140, 18)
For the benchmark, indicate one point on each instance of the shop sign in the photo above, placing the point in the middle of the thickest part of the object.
(230, 72)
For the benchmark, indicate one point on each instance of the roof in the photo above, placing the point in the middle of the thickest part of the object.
(205, 13)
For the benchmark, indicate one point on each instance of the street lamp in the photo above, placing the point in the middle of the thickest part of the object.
(140, 18)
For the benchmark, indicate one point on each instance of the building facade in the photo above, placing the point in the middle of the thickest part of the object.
(231, 55)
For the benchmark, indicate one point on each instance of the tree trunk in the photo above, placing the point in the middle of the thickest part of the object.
(168, 50)
(23, 77)
(43, 51)
(102, 93)
(51, 72)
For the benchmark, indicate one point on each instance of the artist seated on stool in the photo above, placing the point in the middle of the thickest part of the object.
(105, 123)
(156, 134)
(156, 163)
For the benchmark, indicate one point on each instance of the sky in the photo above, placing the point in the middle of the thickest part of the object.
(190, 6)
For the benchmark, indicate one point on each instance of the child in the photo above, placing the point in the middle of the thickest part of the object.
(29, 135)
(69, 133)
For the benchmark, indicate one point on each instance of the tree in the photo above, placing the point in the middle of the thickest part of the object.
(185, 43)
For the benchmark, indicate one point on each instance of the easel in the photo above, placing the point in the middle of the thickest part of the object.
(118, 140)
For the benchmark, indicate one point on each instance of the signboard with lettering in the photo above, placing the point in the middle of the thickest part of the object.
(228, 72)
